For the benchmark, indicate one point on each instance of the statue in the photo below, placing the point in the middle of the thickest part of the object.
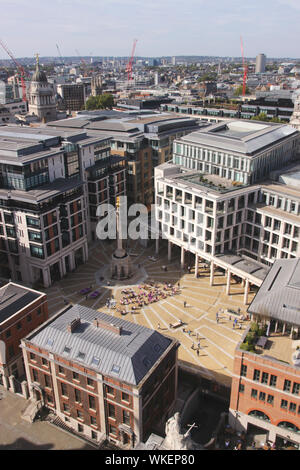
(175, 440)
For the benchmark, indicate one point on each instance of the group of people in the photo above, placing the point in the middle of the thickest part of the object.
(147, 294)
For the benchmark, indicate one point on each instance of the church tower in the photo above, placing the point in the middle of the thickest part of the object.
(41, 96)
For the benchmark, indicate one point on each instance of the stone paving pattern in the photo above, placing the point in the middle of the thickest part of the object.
(217, 340)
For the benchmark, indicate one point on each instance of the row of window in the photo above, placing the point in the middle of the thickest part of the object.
(271, 380)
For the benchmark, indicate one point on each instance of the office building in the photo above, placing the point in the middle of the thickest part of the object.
(102, 376)
(72, 95)
(265, 394)
(260, 64)
(203, 207)
(51, 181)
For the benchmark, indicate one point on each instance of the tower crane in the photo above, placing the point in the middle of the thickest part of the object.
(20, 69)
(130, 62)
(245, 67)
(58, 50)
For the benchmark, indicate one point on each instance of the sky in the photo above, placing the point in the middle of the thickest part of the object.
(162, 27)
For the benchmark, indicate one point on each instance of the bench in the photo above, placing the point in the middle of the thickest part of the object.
(176, 325)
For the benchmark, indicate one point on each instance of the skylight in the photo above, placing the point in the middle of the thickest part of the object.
(50, 342)
(81, 355)
(95, 361)
(116, 369)
(67, 350)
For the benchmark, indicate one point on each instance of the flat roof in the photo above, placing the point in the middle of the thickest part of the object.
(245, 137)
(127, 355)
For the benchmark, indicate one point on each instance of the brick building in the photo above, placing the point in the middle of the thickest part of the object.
(21, 311)
(102, 376)
(265, 394)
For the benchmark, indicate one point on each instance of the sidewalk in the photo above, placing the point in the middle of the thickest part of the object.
(17, 434)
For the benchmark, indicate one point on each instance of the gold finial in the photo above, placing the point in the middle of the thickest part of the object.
(118, 202)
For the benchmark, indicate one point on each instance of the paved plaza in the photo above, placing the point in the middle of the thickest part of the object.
(218, 339)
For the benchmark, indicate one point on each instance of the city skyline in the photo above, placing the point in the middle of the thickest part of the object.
(162, 28)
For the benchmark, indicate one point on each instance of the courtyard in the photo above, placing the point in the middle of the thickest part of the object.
(185, 306)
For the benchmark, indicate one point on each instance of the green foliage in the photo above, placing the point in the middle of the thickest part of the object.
(105, 101)
(260, 117)
(248, 347)
(254, 327)
(239, 91)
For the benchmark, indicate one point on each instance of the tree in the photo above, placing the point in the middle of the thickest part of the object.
(260, 117)
(239, 91)
(105, 101)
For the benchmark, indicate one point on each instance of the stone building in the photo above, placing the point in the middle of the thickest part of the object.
(102, 376)
(42, 96)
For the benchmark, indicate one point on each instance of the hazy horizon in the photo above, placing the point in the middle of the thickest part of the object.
(107, 28)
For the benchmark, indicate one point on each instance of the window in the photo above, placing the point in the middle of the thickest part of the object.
(32, 357)
(243, 370)
(8, 333)
(79, 414)
(29, 318)
(61, 370)
(112, 430)
(254, 393)
(75, 376)
(264, 378)
(241, 388)
(35, 375)
(44, 362)
(64, 389)
(47, 381)
(283, 404)
(81, 355)
(262, 396)
(270, 399)
(92, 402)
(93, 421)
(95, 361)
(19, 325)
(116, 369)
(67, 350)
(126, 417)
(125, 397)
(66, 408)
(110, 390)
(11, 351)
(256, 375)
(90, 382)
(287, 385)
(77, 395)
(273, 380)
(111, 411)
(296, 388)
(293, 407)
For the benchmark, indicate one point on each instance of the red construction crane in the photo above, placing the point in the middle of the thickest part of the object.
(245, 67)
(20, 68)
(130, 62)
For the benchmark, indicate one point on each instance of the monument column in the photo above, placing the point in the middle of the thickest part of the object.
(182, 257)
(196, 265)
(169, 250)
(211, 278)
(228, 282)
(246, 292)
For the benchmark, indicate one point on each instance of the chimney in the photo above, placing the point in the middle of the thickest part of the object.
(71, 327)
(107, 326)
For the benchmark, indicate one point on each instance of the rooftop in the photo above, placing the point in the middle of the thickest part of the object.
(245, 137)
(14, 298)
(279, 295)
(110, 346)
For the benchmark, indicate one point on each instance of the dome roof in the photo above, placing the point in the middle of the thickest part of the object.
(39, 75)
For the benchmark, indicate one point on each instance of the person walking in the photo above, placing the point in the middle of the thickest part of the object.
(184, 304)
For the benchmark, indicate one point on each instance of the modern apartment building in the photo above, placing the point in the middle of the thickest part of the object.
(101, 375)
(145, 139)
(206, 204)
(49, 179)
(21, 311)
(265, 394)
(73, 96)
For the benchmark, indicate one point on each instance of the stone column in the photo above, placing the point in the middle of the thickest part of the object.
(169, 250)
(46, 277)
(12, 383)
(228, 282)
(182, 257)
(196, 265)
(246, 292)
(157, 246)
(212, 268)
(25, 392)
(5, 382)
